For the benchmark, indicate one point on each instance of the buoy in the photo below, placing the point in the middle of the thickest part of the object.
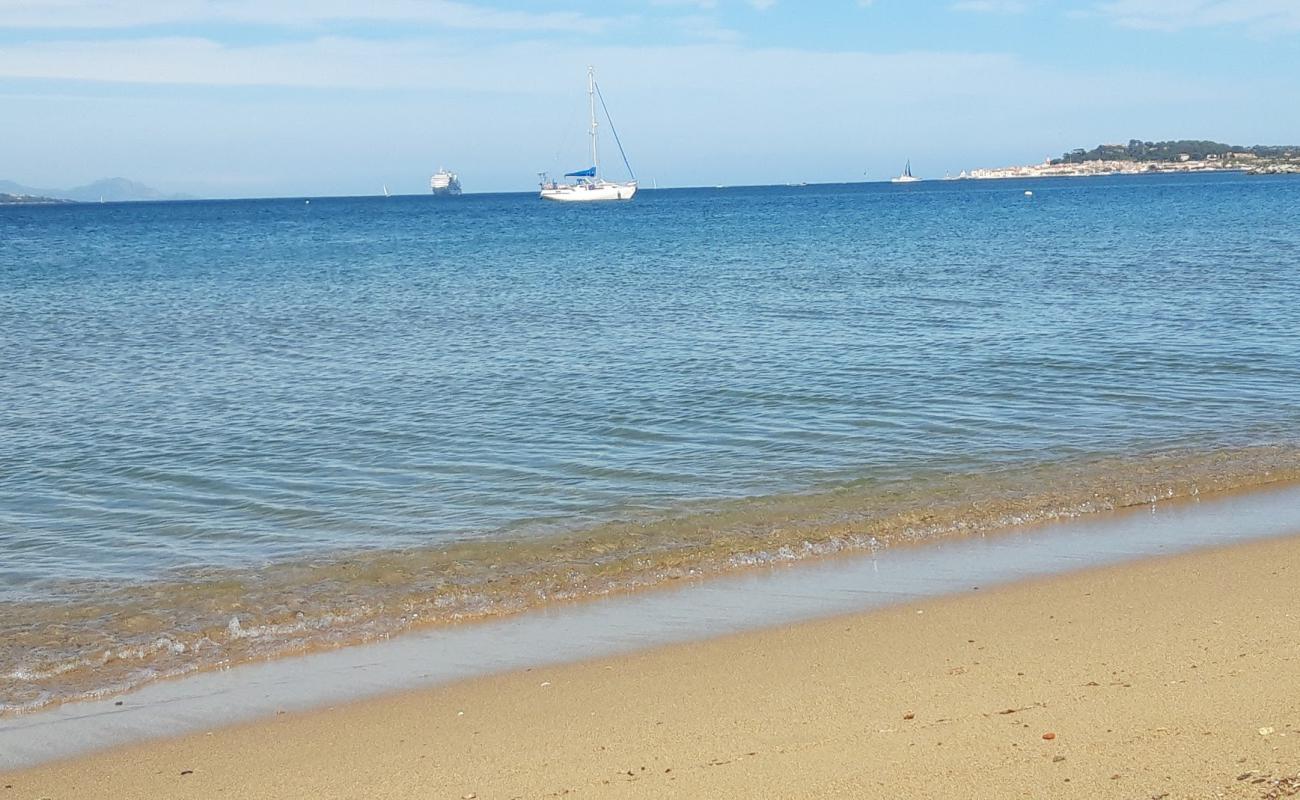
(1028, 193)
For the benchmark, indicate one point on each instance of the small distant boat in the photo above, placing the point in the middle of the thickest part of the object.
(444, 182)
(386, 194)
(588, 186)
(907, 176)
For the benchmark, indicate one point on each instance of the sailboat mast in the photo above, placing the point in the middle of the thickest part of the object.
(591, 97)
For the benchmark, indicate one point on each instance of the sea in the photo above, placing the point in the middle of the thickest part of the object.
(238, 430)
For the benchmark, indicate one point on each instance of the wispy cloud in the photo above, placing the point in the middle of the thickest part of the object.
(767, 78)
(991, 6)
(702, 4)
(106, 14)
(706, 28)
(1173, 15)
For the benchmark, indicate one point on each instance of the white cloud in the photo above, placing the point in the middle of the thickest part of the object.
(1173, 15)
(103, 14)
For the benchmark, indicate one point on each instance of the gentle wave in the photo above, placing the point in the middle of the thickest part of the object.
(100, 639)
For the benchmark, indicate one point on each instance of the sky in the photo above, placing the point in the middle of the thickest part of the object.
(251, 98)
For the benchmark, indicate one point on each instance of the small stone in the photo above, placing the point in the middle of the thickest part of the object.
(1057, 759)
(187, 772)
(910, 715)
(1115, 777)
(1265, 731)
(1049, 736)
(117, 703)
(469, 796)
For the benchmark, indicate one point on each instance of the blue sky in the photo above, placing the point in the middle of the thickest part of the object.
(231, 98)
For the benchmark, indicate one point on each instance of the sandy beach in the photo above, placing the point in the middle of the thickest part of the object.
(1166, 678)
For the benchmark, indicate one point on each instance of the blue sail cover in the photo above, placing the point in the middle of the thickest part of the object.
(589, 172)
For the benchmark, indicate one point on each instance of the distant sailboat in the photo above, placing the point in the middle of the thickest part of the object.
(588, 185)
(386, 194)
(907, 176)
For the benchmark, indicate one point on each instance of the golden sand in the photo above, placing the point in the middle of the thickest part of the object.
(1169, 678)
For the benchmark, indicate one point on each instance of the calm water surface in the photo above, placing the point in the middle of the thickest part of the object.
(264, 424)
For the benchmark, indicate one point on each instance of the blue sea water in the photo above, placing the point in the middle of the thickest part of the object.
(200, 385)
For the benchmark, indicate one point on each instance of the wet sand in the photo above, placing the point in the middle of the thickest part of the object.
(1176, 677)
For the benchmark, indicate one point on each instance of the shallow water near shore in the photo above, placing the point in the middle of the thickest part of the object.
(564, 633)
(244, 429)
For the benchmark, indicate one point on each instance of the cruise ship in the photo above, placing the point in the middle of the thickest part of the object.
(444, 182)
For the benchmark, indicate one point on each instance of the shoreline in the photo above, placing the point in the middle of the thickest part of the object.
(1153, 676)
(223, 618)
(696, 610)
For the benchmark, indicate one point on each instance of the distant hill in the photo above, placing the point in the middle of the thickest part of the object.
(1180, 150)
(108, 189)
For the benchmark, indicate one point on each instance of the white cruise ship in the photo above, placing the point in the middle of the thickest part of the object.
(444, 182)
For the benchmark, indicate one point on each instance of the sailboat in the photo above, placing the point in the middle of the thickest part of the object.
(588, 186)
(907, 176)
(386, 194)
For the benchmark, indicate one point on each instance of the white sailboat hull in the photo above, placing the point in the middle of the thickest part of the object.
(589, 192)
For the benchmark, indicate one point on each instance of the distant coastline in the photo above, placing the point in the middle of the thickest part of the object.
(7, 199)
(1142, 158)
(111, 190)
